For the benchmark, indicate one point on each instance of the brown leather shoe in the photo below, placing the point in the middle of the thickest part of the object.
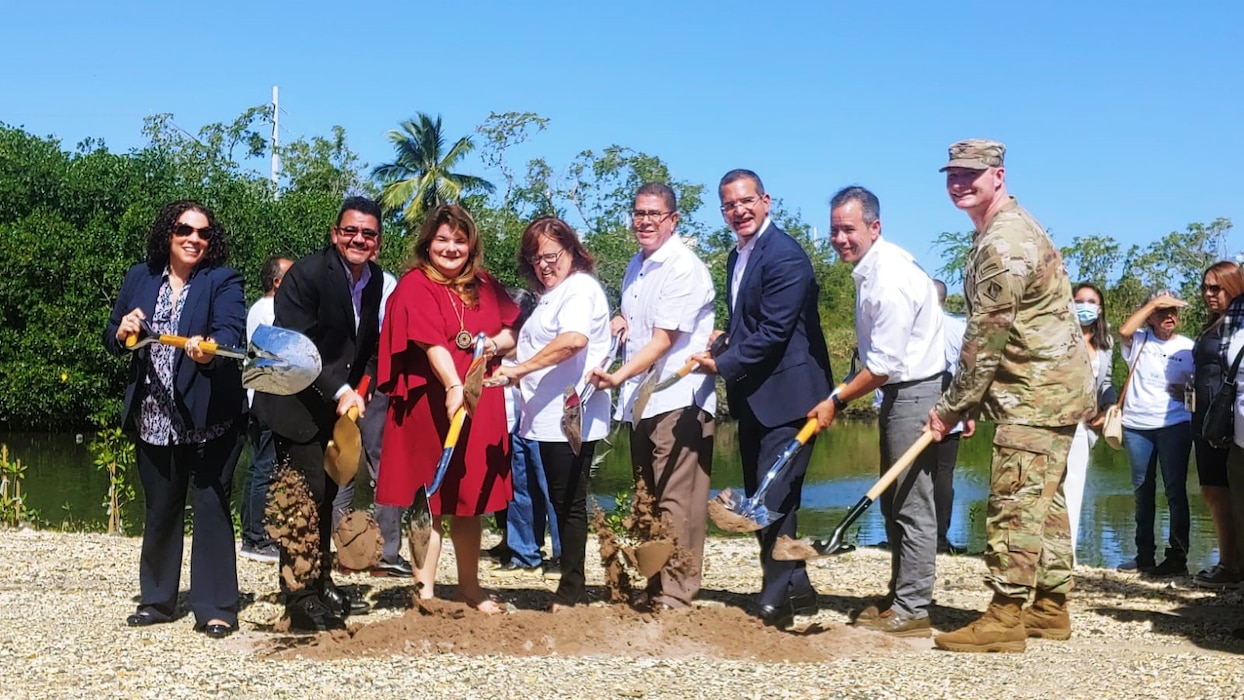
(897, 624)
(1001, 628)
(1047, 617)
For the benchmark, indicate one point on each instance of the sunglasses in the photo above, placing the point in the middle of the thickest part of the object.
(184, 231)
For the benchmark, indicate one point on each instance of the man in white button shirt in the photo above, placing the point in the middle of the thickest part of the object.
(899, 328)
(667, 314)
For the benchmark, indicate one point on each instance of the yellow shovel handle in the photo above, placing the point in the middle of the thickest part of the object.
(455, 428)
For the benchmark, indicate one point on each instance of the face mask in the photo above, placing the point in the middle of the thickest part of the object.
(1086, 311)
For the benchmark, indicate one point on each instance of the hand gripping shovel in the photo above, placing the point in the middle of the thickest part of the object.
(787, 549)
(653, 383)
(276, 361)
(572, 407)
(341, 455)
(419, 515)
(750, 514)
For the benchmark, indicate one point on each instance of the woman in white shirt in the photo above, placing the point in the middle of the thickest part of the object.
(1157, 428)
(1091, 312)
(566, 335)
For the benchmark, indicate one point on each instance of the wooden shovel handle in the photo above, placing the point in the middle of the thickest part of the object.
(177, 341)
(903, 462)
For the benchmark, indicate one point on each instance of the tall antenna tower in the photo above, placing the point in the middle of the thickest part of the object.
(276, 142)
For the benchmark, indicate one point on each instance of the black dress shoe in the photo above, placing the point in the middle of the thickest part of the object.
(217, 631)
(397, 569)
(310, 615)
(341, 603)
(805, 603)
(142, 618)
(780, 616)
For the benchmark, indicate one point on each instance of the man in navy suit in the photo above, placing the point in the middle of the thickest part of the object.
(776, 368)
(332, 297)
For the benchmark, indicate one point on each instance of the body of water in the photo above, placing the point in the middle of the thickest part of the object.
(63, 485)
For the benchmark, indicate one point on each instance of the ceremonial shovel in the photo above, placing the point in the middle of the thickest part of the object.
(653, 383)
(341, 455)
(419, 516)
(787, 549)
(572, 407)
(276, 361)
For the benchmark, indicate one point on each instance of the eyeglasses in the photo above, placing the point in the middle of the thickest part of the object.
(654, 216)
(746, 203)
(184, 231)
(547, 258)
(352, 231)
(1211, 288)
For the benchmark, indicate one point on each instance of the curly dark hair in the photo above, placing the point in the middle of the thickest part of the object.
(161, 234)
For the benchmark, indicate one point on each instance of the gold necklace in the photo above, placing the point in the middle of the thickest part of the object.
(463, 340)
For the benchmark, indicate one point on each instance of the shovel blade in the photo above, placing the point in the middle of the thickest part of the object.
(341, 457)
(572, 420)
(280, 361)
(643, 393)
(419, 528)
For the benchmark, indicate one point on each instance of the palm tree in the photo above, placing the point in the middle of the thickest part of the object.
(421, 176)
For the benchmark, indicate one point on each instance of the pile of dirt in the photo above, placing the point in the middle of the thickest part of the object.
(788, 549)
(443, 627)
(294, 523)
(644, 546)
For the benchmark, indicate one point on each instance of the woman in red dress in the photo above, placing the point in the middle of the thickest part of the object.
(426, 344)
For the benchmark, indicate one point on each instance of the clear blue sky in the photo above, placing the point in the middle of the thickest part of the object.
(1120, 118)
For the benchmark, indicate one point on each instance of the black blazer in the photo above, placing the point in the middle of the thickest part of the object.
(215, 307)
(776, 363)
(314, 299)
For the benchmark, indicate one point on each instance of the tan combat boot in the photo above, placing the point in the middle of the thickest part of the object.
(1001, 628)
(1047, 617)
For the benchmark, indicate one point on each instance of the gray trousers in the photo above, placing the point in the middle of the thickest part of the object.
(908, 505)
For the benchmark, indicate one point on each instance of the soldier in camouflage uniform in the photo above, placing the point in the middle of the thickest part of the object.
(1023, 366)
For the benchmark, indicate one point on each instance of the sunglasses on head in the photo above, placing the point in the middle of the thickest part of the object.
(184, 231)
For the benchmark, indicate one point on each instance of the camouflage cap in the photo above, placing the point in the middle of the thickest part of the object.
(976, 154)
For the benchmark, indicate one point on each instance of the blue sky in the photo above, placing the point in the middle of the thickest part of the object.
(1120, 119)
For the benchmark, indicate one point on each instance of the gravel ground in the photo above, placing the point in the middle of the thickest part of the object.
(64, 598)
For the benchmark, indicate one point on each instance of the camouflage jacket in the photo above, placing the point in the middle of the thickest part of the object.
(1023, 360)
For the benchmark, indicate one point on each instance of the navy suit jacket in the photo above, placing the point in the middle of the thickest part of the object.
(776, 364)
(205, 394)
(314, 299)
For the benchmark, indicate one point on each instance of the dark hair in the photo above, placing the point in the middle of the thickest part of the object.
(941, 291)
(1101, 330)
(457, 219)
(271, 272)
(160, 237)
(869, 206)
(526, 302)
(1225, 274)
(662, 190)
(363, 205)
(560, 231)
(741, 174)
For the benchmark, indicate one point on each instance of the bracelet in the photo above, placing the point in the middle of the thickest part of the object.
(453, 386)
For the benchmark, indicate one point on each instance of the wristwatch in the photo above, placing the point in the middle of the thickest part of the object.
(839, 404)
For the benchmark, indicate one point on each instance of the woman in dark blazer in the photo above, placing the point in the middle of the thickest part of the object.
(184, 409)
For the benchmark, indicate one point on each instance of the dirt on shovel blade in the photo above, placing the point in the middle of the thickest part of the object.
(721, 513)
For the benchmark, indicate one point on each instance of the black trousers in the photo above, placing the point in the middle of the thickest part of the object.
(759, 448)
(944, 484)
(308, 459)
(567, 476)
(166, 471)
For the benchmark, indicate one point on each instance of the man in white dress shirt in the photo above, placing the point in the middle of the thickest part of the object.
(667, 313)
(899, 328)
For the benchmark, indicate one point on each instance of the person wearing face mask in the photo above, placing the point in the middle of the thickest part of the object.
(1220, 284)
(1090, 311)
(1157, 428)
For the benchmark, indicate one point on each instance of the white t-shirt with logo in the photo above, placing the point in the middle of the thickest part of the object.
(1149, 403)
(577, 305)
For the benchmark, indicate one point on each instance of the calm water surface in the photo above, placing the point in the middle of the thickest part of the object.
(62, 484)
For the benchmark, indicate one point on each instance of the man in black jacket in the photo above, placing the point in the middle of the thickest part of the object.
(333, 297)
